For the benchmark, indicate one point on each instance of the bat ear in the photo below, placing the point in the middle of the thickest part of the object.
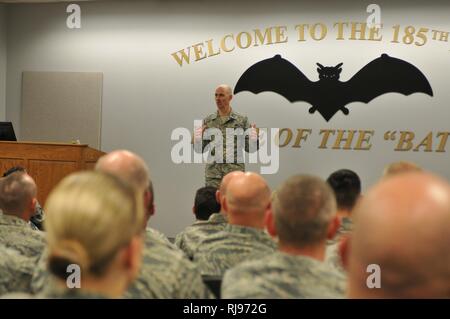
(319, 65)
(338, 66)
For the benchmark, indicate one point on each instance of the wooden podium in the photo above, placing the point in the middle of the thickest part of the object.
(47, 163)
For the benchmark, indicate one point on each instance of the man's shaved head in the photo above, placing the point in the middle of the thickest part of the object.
(403, 226)
(127, 166)
(248, 197)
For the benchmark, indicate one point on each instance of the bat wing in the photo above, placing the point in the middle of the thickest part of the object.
(277, 75)
(383, 75)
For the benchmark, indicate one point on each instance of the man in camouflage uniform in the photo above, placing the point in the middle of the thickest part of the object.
(25, 245)
(402, 233)
(244, 238)
(16, 271)
(205, 205)
(37, 219)
(303, 216)
(225, 118)
(346, 186)
(165, 271)
(17, 202)
(191, 237)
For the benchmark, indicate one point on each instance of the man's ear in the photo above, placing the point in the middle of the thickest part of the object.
(344, 248)
(147, 200)
(132, 256)
(333, 227)
(218, 196)
(270, 222)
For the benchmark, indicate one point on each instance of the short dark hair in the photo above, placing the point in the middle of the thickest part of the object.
(205, 203)
(13, 170)
(346, 186)
(15, 192)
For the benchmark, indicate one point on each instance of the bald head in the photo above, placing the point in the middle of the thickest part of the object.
(399, 168)
(226, 180)
(247, 198)
(226, 88)
(18, 195)
(403, 225)
(127, 166)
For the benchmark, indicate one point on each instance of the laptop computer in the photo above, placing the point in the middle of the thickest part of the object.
(7, 132)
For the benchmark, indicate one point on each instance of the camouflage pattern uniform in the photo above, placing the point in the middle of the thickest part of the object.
(332, 252)
(16, 271)
(214, 172)
(189, 238)
(37, 220)
(224, 250)
(281, 275)
(15, 233)
(165, 273)
(155, 235)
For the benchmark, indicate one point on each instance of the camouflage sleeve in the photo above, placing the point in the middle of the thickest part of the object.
(15, 272)
(239, 284)
(38, 217)
(191, 284)
(41, 276)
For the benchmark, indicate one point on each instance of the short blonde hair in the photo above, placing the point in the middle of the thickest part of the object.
(90, 216)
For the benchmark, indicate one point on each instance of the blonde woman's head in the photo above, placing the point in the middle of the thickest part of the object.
(94, 220)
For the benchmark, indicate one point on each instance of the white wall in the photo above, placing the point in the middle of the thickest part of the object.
(2, 62)
(147, 95)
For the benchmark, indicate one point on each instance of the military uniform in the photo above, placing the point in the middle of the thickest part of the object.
(17, 234)
(214, 172)
(165, 273)
(189, 238)
(332, 251)
(224, 250)
(37, 220)
(155, 235)
(16, 271)
(282, 275)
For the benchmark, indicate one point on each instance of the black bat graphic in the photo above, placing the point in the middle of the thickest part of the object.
(329, 95)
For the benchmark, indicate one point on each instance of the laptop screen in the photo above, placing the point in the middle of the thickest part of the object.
(7, 132)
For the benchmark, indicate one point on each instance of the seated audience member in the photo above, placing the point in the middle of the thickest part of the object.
(37, 219)
(399, 168)
(246, 202)
(346, 186)
(205, 205)
(303, 217)
(18, 202)
(401, 240)
(166, 272)
(193, 235)
(16, 271)
(93, 221)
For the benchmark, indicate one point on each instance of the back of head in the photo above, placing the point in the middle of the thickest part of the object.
(17, 192)
(90, 216)
(303, 207)
(247, 198)
(13, 170)
(126, 165)
(402, 226)
(399, 168)
(346, 186)
(205, 203)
